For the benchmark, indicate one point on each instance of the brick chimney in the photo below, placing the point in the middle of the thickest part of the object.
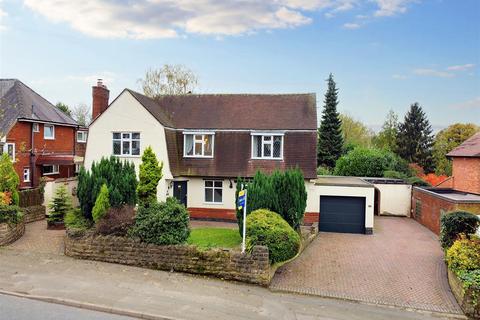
(100, 95)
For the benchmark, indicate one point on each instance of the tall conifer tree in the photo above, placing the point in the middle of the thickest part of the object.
(330, 140)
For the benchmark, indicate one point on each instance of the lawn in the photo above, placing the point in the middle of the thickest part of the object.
(214, 238)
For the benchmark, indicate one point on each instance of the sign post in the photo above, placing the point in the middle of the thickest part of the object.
(242, 204)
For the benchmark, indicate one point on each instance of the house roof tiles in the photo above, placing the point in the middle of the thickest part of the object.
(469, 148)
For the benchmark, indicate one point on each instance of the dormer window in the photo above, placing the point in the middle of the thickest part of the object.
(198, 144)
(267, 146)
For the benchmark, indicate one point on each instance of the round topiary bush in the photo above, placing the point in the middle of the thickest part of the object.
(268, 228)
(464, 254)
(162, 223)
(455, 223)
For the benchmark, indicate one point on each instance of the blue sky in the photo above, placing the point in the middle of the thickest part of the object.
(385, 54)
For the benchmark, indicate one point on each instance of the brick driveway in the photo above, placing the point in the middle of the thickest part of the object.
(40, 240)
(400, 265)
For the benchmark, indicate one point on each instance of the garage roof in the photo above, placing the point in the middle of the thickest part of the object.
(341, 181)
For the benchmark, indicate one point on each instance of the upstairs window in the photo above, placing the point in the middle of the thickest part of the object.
(267, 146)
(36, 127)
(198, 145)
(48, 132)
(9, 148)
(82, 136)
(126, 143)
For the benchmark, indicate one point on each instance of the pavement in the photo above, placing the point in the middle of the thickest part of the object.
(401, 265)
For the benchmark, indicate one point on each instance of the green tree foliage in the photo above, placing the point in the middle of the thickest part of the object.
(354, 132)
(61, 205)
(118, 175)
(371, 162)
(330, 141)
(102, 204)
(415, 139)
(150, 175)
(164, 223)
(9, 180)
(455, 223)
(64, 108)
(447, 140)
(387, 137)
(267, 228)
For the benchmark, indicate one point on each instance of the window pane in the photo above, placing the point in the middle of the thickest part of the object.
(48, 131)
(198, 148)
(209, 184)
(135, 148)
(277, 147)
(116, 135)
(10, 151)
(218, 184)
(47, 169)
(116, 147)
(208, 195)
(126, 147)
(217, 195)
(135, 135)
(208, 144)
(126, 135)
(198, 137)
(257, 146)
(267, 138)
(267, 150)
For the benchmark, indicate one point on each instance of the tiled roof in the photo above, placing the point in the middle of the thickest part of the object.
(19, 101)
(469, 148)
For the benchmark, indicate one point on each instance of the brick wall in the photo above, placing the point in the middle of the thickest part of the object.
(228, 215)
(226, 264)
(34, 213)
(466, 174)
(311, 218)
(11, 233)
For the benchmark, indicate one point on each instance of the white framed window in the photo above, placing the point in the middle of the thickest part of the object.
(126, 143)
(198, 144)
(267, 146)
(49, 169)
(78, 166)
(36, 127)
(82, 136)
(26, 174)
(9, 148)
(213, 191)
(48, 132)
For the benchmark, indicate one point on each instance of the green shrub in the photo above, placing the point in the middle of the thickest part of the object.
(117, 221)
(102, 204)
(10, 214)
(75, 220)
(267, 228)
(61, 204)
(464, 254)
(454, 223)
(120, 178)
(324, 171)
(162, 223)
(9, 180)
(150, 175)
(417, 182)
(394, 174)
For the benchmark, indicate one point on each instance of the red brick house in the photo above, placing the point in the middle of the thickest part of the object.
(39, 138)
(463, 192)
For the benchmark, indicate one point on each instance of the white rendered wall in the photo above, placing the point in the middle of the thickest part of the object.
(395, 199)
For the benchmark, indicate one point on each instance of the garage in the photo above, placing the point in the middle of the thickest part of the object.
(340, 204)
(342, 214)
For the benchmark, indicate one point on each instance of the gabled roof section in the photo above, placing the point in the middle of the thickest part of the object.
(18, 101)
(233, 111)
(469, 148)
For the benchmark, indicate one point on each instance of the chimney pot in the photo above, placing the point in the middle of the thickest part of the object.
(100, 96)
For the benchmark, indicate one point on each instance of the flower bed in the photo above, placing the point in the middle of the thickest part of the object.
(10, 232)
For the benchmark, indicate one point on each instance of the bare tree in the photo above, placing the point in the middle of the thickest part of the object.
(81, 113)
(169, 79)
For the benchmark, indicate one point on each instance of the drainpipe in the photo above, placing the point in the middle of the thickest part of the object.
(32, 154)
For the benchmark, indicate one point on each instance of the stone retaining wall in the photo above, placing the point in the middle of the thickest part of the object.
(11, 233)
(464, 298)
(226, 264)
(34, 213)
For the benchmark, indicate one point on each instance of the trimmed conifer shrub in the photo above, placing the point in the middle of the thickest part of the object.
(455, 223)
(102, 204)
(61, 205)
(150, 175)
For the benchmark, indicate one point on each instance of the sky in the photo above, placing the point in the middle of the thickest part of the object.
(384, 54)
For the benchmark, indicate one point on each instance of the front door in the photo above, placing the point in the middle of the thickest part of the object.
(180, 191)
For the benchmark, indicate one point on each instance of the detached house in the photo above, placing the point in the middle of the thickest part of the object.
(40, 139)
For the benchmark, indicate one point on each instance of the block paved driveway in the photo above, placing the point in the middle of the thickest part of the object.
(401, 265)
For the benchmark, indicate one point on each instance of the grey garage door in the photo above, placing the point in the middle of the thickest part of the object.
(342, 214)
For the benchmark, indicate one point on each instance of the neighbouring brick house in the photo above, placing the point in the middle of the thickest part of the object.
(459, 192)
(40, 139)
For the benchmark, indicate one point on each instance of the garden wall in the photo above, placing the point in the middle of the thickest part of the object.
(11, 233)
(31, 203)
(227, 264)
(465, 298)
(69, 183)
(34, 213)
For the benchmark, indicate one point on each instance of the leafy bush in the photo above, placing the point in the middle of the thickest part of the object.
(267, 228)
(394, 174)
(150, 174)
(102, 204)
(9, 180)
(61, 204)
(162, 223)
(455, 223)
(117, 221)
(469, 278)
(323, 171)
(120, 178)
(10, 214)
(75, 220)
(464, 254)
(418, 182)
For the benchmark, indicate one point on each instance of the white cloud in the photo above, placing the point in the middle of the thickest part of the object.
(351, 26)
(432, 73)
(462, 67)
(3, 15)
(390, 7)
(469, 104)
